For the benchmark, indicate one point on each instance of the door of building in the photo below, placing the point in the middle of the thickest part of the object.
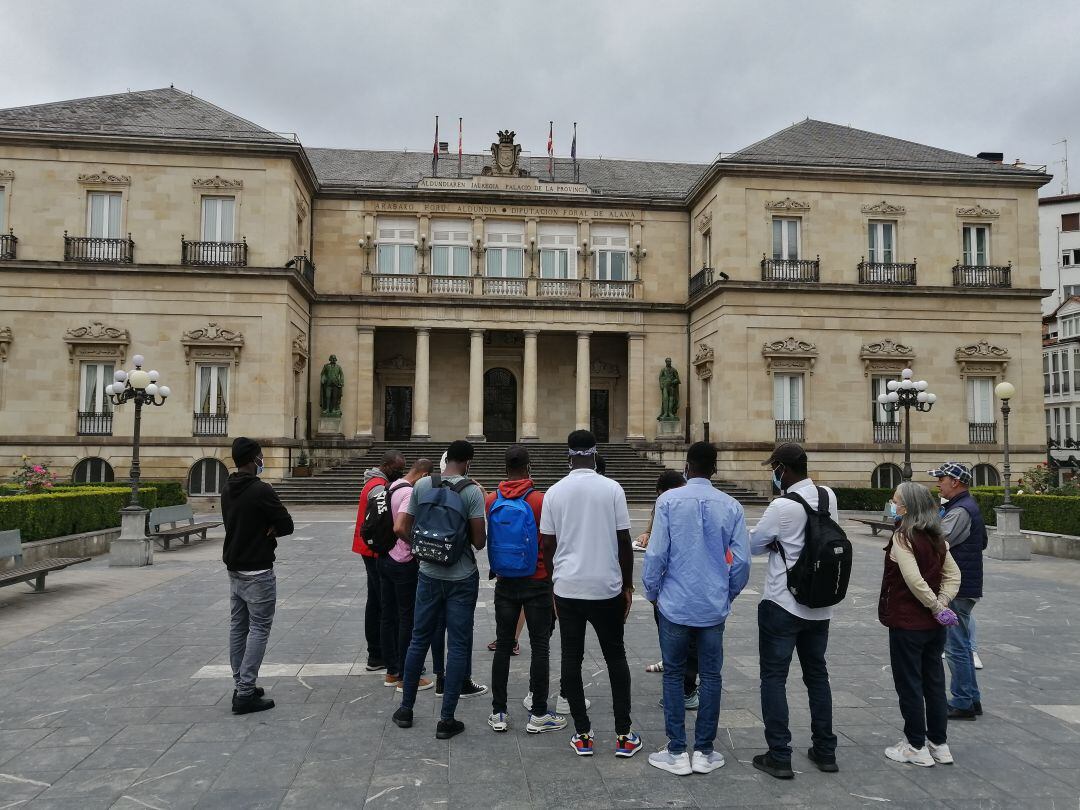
(398, 413)
(598, 413)
(500, 406)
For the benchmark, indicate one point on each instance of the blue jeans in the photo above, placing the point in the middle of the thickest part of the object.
(674, 644)
(253, 599)
(958, 649)
(455, 602)
(779, 635)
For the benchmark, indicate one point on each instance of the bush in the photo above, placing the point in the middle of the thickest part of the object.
(1056, 514)
(862, 499)
(169, 493)
(69, 511)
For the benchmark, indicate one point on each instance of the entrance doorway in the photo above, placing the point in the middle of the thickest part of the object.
(398, 413)
(500, 406)
(599, 420)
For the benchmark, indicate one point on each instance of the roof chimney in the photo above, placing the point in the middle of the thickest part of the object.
(993, 157)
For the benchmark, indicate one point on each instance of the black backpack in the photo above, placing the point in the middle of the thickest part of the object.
(819, 578)
(378, 526)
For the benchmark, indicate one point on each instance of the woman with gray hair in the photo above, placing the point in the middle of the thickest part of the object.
(919, 581)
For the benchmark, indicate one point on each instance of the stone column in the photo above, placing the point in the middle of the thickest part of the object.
(584, 378)
(529, 429)
(365, 382)
(476, 385)
(420, 428)
(635, 387)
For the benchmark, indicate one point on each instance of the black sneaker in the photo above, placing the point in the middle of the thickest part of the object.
(977, 708)
(375, 665)
(440, 684)
(961, 714)
(471, 688)
(259, 692)
(251, 703)
(403, 717)
(825, 765)
(773, 767)
(448, 728)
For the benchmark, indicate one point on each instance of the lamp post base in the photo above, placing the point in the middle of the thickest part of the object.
(1007, 543)
(132, 548)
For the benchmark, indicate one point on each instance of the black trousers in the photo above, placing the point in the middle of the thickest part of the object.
(690, 674)
(373, 612)
(397, 592)
(511, 597)
(606, 617)
(919, 676)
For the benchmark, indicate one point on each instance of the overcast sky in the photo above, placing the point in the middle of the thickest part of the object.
(665, 80)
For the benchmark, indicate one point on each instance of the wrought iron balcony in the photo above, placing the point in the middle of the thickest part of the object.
(886, 273)
(982, 275)
(213, 254)
(8, 241)
(791, 269)
(98, 251)
(558, 288)
(790, 430)
(514, 287)
(305, 267)
(886, 433)
(392, 283)
(612, 290)
(982, 432)
(210, 424)
(94, 423)
(701, 281)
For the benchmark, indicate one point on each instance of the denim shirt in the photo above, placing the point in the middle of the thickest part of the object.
(686, 571)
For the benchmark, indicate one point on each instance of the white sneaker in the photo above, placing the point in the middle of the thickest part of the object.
(549, 722)
(978, 661)
(941, 753)
(678, 764)
(499, 721)
(561, 704)
(904, 751)
(707, 763)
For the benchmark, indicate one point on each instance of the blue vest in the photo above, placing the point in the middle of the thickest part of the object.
(969, 554)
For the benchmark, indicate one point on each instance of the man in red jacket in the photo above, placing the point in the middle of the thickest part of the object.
(391, 469)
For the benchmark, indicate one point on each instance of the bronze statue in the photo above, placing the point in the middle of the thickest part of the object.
(331, 383)
(669, 392)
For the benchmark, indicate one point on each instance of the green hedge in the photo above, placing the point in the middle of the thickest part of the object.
(70, 511)
(862, 499)
(169, 493)
(1056, 514)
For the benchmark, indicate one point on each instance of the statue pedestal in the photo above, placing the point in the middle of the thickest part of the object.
(669, 430)
(132, 548)
(1007, 543)
(330, 426)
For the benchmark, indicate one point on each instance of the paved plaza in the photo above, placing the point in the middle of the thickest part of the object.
(113, 693)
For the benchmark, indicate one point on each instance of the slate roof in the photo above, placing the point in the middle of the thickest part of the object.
(166, 112)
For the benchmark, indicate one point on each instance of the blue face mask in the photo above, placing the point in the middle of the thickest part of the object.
(776, 480)
(259, 466)
(892, 510)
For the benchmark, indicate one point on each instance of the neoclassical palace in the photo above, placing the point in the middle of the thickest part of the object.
(504, 297)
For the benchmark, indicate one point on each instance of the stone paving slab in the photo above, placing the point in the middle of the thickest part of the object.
(115, 693)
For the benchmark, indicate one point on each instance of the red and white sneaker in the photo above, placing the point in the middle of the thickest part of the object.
(582, 744)
(626, 745)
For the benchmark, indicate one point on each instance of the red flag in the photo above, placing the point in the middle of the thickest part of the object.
(459, 147)
(435, 151)
(551, 149)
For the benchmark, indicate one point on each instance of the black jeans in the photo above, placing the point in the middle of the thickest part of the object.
(372, 611)
(779, 635)
(511, 597)
(691, 672)
(606, 617)
(397, 591)
(919, 676)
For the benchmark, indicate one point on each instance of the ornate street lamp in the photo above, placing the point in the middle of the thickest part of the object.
(1007, 542)
(141, 387)
(907, 394)
(1005, 391)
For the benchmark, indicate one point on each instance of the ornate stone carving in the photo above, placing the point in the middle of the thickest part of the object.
(105, 178)
(97, 341)
(299, 353)
(704, 221)
(982, 358)
(398, 362)
(504, 157)
(5, 341)
(212, 343)
(978, 210)
(790, 353)
(885, 356)
(498, 338)
(217, 182)
(703, 361)
(786, 204)
(884, 209)
(301, 208)
(7, 174)
(599, 368)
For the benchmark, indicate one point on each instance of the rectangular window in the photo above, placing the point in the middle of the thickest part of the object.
(397, 247)
(3, 210)
(1049, 427)
(1055, 376)
(786, 238)
(504, 249)
(218, 219)
(450, 247)
(1076, 370)
(882, 241)
(977, 245)
(1066, 259)
(880, 385)
(612, 245)
(558, 249)
(211, 390)
(980, 400)
(706, 249)
(787, 397)
(92, 397)
(1070, 326)
(103, 214)
(1070, 222)
(1046, 374)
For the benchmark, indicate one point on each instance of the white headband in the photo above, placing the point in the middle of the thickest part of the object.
(590, 452)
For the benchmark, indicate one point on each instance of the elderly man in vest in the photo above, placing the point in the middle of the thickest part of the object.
(966, 534)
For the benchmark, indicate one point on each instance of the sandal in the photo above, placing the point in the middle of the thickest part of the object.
(492, 646)
(657, 667)
(517, 649)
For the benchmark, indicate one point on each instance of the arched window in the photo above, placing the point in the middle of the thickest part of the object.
(207, 477)
(986, 475)
(886, 476)
(92, 471)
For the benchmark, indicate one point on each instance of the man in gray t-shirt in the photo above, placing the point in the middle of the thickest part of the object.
(444, 593)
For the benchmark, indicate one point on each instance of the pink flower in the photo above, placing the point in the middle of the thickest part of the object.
(39, 469)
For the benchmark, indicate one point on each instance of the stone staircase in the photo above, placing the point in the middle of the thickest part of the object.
(636, 474)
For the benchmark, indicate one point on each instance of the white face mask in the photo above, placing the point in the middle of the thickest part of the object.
(259, 466)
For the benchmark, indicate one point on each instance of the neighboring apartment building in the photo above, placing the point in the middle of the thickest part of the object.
(516, 299)
(1059, 248)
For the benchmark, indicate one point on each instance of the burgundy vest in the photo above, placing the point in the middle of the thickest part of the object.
(897, 605)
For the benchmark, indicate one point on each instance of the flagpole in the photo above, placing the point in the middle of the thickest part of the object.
(573, 152)
(551, 153)
(435, 151)
(459, 147)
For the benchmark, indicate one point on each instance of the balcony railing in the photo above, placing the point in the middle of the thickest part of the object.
(451, 285)
(393, 283)
(790, 430)
(982, 432)
(94, 423)
(790, 269)
(305, 267)
(978, 275)
(612, 290)
(213, 254)
(558, 288)
(98, 251)
(886, 432)
(701, 281)
(8, 241)
(886, 273)
(515, 287)
(210, 424)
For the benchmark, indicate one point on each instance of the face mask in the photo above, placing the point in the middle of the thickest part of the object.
(259, 466)
(892, 510)
(776, 479)
(944, 500)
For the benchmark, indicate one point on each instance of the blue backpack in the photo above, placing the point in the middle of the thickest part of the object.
(440, 532)
(513, 540)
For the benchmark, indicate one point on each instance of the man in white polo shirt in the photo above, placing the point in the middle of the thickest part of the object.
(585, 532)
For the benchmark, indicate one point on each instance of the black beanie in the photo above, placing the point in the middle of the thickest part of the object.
(244, 450)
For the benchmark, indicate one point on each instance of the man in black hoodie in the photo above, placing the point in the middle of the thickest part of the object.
(254, 519)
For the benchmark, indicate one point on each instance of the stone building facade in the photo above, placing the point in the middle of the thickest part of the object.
(511, 299)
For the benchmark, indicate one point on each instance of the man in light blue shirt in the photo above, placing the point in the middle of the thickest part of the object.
(697, 562)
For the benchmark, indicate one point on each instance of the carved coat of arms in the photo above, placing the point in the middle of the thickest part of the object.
(504, 157)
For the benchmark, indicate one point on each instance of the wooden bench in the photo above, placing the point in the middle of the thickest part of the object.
(11, 546)
(181, 524)
(883, 524)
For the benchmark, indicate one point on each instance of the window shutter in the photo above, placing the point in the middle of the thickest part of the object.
(779, 396)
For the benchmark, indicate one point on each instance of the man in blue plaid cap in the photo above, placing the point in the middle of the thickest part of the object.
(966, 534)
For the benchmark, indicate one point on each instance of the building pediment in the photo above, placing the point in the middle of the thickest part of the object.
(789, 354)
(884, 209)
(982, 357)
(105, 178)
(704, 221)
(97, 341)
(787, 204)
(977, 211)
(703, 361)
(212, 343)
(217, 182)
(885, 356)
